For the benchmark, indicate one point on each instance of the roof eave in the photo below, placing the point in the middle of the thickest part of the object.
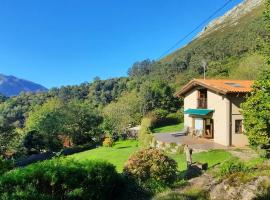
(194, 83)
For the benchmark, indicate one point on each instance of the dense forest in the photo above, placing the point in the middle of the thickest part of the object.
(31, 123)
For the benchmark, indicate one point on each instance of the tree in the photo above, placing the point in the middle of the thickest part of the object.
(122, 113)
(2, 98)
(249, 67)
(7, 137)
(158, 94)
(47, 124)
(47, 120)
(142, 68)
(256, 112)
(267, 19)
(83, 123)
(34, 141)
(10, 136)
(103, 92)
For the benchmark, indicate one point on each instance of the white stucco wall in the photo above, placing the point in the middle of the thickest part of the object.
(239, 140)
(221, 106)
(190, 101)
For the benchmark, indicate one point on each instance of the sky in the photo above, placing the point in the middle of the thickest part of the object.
(67, 42)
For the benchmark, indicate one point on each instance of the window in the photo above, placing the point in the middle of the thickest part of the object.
(202, 98)
(238, 126)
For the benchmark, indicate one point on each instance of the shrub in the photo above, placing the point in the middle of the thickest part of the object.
(61, 179)
(160, 113)
(152, 166)
(5, 165)
(145, 134)
(173, 145)
(180, 149)
(157, 117)
(232, 166)
(175, 118)
(256, 112)
(149, 121)
(264, 153)
(161, 117)
(108, 142)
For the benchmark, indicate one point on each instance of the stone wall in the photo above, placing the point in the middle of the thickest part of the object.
(167, 147)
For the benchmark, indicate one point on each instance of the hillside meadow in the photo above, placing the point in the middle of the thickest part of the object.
(122, 150)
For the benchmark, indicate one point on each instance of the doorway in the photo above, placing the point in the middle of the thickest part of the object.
(209, 128)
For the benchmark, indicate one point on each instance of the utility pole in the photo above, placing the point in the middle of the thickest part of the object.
(204, 72)
(204, 64)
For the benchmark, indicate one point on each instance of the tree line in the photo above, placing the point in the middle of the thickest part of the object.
(79, 115)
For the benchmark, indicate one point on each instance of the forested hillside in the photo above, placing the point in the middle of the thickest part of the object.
(231, 50)
(235, 50)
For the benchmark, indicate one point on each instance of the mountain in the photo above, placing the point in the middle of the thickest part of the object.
(232, 17)
(12, 86)
(231, 46)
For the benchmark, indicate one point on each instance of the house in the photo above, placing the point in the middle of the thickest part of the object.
(212, 109)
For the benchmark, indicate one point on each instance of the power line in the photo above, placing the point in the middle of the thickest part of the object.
(193, 30)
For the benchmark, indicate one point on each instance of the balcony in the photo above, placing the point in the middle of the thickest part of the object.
(202, 103)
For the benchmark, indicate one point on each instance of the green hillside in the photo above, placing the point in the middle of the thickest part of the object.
(233, 51)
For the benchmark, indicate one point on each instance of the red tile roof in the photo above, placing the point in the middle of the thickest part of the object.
(219, 85)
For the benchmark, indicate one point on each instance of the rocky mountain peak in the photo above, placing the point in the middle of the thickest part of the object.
(231, 17)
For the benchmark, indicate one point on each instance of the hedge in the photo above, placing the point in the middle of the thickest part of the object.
(61, 179)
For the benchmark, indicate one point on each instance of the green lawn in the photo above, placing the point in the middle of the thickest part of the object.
(212, 157)
(117, 155)
(169, 129)
(120, 152)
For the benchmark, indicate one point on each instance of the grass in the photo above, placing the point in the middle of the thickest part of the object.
(117, 155)
(169, 129)
(120, 152)
(212, 157)
(253, 168)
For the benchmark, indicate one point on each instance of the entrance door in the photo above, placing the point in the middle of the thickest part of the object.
(209, 128)
(199, 126)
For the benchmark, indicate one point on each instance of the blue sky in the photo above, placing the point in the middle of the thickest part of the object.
(66, 42)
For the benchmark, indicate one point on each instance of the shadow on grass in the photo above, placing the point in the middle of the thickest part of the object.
(191, 172)
(133, 191)
(123, 147)
(194, 171)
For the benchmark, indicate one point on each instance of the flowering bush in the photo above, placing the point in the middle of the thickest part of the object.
(108, 142)
(151, 164)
